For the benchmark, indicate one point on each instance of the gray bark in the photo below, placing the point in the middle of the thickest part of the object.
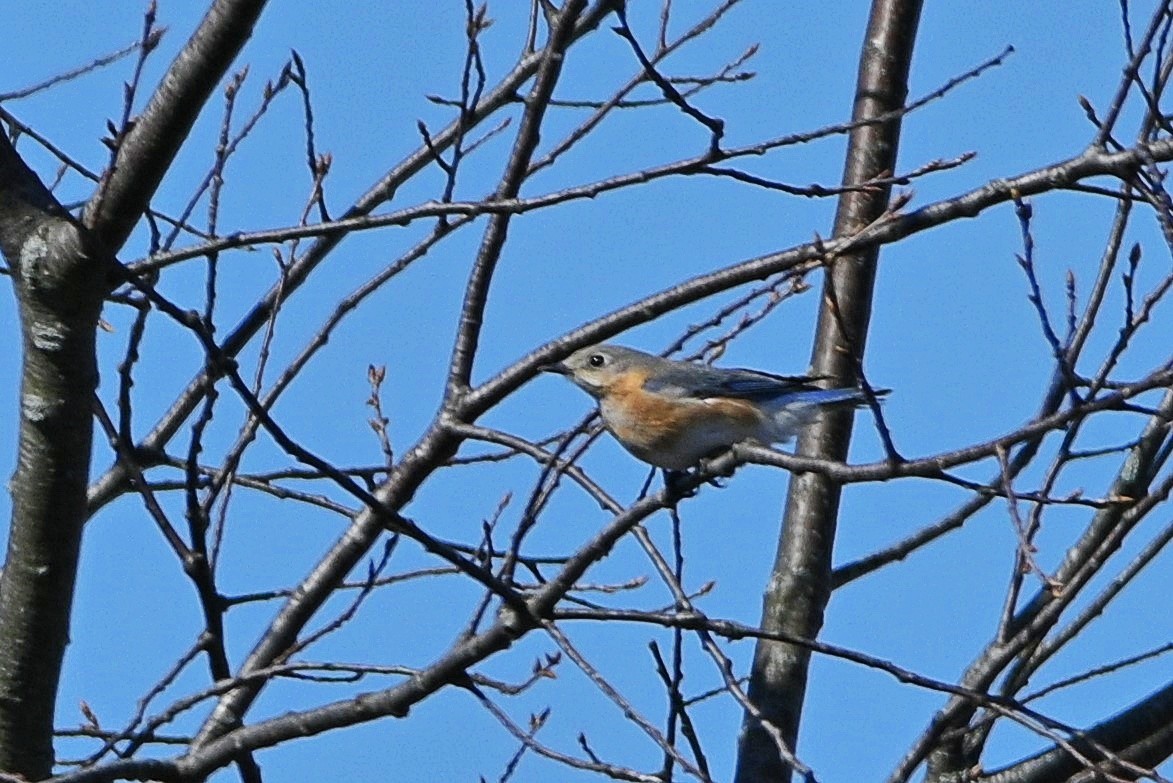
(59, 284)
(801, 583)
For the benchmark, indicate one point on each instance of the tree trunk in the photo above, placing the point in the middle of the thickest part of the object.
(60, 286)
(800, 586)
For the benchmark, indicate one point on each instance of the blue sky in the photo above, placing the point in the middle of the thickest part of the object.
(952, 334)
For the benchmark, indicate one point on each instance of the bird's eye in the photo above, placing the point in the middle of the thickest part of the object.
(597, 360)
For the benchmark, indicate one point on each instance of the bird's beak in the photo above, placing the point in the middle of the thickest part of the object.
(557, 367)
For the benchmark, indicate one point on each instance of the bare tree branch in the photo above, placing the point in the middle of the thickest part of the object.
(60, 283)
(801, 584)
(146, 150)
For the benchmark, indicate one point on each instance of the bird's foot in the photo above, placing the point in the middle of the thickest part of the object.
(675, 482)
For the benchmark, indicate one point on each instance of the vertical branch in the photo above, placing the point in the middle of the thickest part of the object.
(59, 285)
(801, 586)
(477, 291)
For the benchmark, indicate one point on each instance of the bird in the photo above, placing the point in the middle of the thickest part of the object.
(675, 414)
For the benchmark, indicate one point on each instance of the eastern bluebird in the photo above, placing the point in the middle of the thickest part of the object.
(672, 414)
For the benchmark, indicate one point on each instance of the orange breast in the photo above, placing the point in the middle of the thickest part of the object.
(674, 433)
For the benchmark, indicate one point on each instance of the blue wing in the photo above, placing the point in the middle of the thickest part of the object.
(697, 381)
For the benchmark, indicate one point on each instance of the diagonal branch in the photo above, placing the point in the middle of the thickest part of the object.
(477, 291)
(145, 153)
(437, 445)
(450, 668)
(113, 482)
(802, 258)
(1141, 734)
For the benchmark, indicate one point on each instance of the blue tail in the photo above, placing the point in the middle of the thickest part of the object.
(793, 410)
(822, 397)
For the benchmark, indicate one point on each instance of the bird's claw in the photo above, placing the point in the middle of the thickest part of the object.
(674, 481)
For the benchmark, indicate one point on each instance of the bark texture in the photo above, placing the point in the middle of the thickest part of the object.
(59, 285)
(801, 583)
